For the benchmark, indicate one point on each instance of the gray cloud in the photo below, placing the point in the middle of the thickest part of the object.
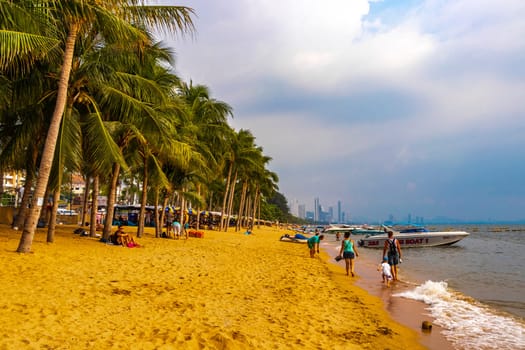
(391, 107)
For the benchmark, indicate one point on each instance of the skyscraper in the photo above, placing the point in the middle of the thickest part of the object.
(302, 211)
(317, 209)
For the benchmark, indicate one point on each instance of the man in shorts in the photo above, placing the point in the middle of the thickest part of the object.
(392, 250)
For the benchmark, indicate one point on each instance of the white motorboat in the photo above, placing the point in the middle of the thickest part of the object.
(354, 230)
(333, 229)
(414, 236)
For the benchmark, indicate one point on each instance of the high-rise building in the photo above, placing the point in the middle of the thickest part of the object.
(317, 209)
(339, 217)
(301, 211)
(309, 215)
(294, 207)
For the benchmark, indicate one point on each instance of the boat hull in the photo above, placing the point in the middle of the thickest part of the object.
(413, 240)
(355, 231)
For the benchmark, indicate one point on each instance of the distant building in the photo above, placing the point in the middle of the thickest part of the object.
(301, 211)
(309, 215)
(317, 210)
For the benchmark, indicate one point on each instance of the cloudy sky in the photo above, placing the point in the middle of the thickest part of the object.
(391, 107)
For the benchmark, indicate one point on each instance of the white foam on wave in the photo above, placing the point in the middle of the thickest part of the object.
(467, 323)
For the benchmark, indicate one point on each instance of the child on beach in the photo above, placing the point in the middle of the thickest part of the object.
(386, 271)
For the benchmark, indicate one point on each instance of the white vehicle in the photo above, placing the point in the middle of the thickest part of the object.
(63, 211)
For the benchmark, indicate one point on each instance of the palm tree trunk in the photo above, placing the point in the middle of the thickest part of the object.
(254, 210)
(156, 215)
(248, 206)
(163, 213)
(224, 200)
(94, 207)
(230, 201)
(143, 201)
(53, 217)
(259, 210)
(26, 240)
(112, 192)
(198, 207)
(85, 202)
(182, 213)
(241, 206)
(23, 209)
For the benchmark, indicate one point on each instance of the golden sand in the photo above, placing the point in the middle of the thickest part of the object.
(223, 291)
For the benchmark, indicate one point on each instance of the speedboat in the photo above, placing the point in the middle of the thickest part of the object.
(354, 230)
(333, 229)
(367, 230)
(413, 236)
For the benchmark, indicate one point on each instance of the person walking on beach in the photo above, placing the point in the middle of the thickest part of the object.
(386, 271)
(313, 244)
(392, 250)
(349, 253)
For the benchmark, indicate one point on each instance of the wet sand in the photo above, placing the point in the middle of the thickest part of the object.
(410, 313)
(223, 291)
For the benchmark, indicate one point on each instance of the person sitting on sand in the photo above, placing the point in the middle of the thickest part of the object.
(386, 271)
(313, 244)
(122, 238)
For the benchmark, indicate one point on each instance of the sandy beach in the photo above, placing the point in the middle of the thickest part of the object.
(223, 291)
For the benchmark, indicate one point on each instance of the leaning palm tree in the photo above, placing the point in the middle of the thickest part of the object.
(243, 152)
(74, 17)
(206, 118)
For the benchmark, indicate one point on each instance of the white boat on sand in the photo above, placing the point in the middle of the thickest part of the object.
(413, 236)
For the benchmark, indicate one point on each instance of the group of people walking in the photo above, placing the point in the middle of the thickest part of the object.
(390, 258)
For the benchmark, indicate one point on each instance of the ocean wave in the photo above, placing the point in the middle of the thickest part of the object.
(467, 323)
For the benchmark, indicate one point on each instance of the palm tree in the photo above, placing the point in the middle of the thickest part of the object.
(27, 34)
(243, 152)
(73, 17)
(207, 127)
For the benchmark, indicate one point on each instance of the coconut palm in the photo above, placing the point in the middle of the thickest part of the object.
(28, 35)
(23, 128)
(206, 125)
(242, 152)
(74, 17)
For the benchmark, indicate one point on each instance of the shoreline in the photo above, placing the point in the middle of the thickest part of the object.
(410, 313)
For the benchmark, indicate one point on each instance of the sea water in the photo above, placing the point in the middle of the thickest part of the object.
(474, 289)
